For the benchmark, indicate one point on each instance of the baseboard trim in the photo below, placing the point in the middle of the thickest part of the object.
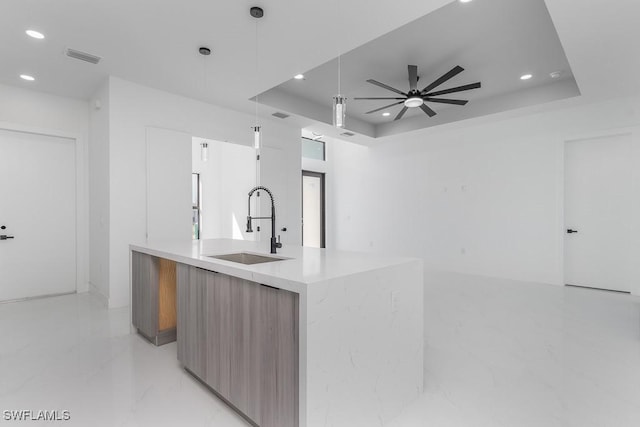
(9, 301)
(598, 289)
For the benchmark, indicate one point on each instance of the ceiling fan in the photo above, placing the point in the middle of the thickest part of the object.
(417, 98)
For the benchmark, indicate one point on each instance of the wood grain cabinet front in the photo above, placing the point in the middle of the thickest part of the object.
(241, 339)
(153, 297)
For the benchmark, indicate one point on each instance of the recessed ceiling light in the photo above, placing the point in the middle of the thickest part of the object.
(387, 114)
(526, 76)
(35, 34)
(27, 77)
(299, 76)
(555, 74)
(465, 1)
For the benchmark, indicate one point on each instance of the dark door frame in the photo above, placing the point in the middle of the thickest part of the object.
(322, 205)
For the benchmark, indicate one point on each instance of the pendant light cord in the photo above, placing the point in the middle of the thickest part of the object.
(257, 77)
(339, 66)
(339, 52)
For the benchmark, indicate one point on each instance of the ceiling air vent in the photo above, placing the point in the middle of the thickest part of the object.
(83, 56)
(280, 115)
(347, 134)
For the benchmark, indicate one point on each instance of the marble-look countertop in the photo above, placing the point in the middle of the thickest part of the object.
(303, 267)
(360, 317)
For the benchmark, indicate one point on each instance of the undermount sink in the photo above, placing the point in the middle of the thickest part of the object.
(246, 258)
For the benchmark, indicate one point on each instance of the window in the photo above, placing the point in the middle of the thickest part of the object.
(313, 149)
(195, 205)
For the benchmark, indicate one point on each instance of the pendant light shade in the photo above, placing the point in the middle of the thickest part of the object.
(204, 151)
(339, 110)
(256, 137)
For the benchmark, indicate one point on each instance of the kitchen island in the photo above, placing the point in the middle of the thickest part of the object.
(315, 338)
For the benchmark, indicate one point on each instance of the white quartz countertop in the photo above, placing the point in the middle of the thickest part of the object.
(303, 266)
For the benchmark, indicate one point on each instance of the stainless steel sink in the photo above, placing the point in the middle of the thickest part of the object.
(246, 258)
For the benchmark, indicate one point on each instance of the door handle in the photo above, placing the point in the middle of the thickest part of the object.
(5, 237)
(569, 231)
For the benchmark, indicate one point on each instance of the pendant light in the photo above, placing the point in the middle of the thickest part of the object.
(204, 51)
(256, 137)
(257, 13)
(204, 151)
(339, 104)
(339, 101)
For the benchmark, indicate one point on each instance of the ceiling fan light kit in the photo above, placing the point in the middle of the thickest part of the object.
(416, 98)
(413, 102)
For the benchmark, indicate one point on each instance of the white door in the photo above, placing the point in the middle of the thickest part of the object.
(598, 188)
(37, 208)
(169, 206)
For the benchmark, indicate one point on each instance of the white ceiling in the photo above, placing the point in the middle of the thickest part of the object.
(154, 42)
(496, 41)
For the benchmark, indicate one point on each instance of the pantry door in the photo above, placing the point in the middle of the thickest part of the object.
(37, 215)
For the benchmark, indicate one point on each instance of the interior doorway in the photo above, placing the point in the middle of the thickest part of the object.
(598, 212)
(313, 209)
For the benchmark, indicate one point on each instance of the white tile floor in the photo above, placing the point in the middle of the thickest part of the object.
(498, 353)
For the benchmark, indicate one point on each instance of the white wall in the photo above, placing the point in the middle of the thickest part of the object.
(99, 192)
(479, 198)
(24, 109)
(133, 108)
(37, 109)
(225, 179)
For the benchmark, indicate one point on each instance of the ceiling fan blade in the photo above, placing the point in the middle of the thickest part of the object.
(446, 101)
(427, 110)
(413, 77)
(384, 86)
(401, 113)
(448, 75)
(359, 99)
(385, 107)
(454, 89)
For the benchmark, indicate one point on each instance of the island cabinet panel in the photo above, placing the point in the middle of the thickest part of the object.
(241, 339)
(153, 297)
(144, 296)
(192, 285)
